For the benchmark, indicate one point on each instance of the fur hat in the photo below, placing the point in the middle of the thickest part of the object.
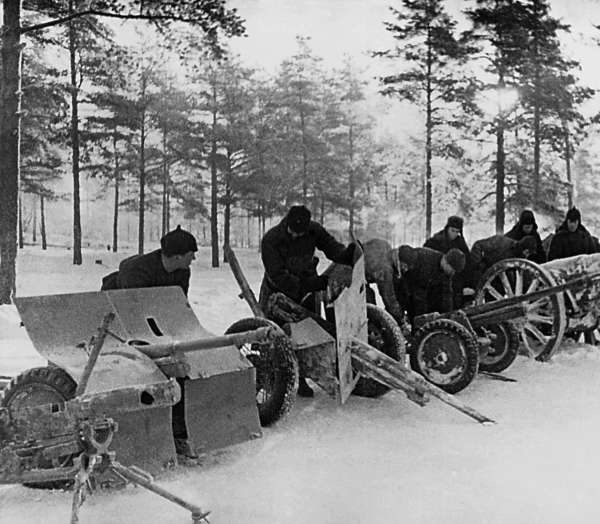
(456, 258)
(455, 222)
(527, 218)
(298, 219)
(178, 242)
(574, 214)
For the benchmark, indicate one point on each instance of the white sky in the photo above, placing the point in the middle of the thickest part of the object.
(355, 27)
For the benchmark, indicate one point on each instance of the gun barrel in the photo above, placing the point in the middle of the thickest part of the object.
(155, 351)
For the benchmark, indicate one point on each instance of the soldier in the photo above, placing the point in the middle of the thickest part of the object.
(487, 251)
(425, 284)
(381, 269)
(167, 266)
(288, 255)
(448, 238)
(571, 238)
(527, 226)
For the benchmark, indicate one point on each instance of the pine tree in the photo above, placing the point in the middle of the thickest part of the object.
(430, 55)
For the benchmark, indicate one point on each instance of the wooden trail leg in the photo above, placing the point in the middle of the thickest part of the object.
(378, 366)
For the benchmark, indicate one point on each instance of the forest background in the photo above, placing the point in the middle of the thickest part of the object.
(383, 117)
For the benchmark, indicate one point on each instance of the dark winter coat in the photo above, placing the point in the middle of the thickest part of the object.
(380, 270)
(487, 251)
(290, 262)
(441, 242)
(516, 233)
(425, 288)
(146, 271)
(565, 244)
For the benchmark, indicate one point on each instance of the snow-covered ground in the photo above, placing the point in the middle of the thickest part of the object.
(379, 461)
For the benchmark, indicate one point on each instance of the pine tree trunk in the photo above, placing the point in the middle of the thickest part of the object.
(21, 237)
(214, 224)
(500, 175)
(142, 188)
(77, 258)
(571, 190)
(536, 108)
(115, 225)
(304, 152)
(34, 222)
(165, 188)
(351, 184)
(43, 223)
(428, 132)
(227, 212)
(10, 107)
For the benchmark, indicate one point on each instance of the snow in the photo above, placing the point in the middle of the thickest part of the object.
(370, 461)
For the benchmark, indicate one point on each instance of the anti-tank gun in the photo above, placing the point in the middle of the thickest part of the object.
(71, 442)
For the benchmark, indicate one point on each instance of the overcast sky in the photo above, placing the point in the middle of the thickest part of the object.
(355, 27)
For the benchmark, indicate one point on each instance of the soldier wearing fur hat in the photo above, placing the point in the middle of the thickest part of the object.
(451, 237)
(288, 255)
(487, 251)
(167, 266)
(527, 226)
(425, 284)
(571, 238)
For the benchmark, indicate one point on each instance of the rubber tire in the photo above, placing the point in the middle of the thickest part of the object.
(393, 346)
(511, 349)
(471, 351)
(281, 398)
(51, 378)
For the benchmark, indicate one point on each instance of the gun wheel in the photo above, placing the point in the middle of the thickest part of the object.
(504, 347)
(276, 370)
(37, 387)
(542, 328)
(384, 335)
(446, 354)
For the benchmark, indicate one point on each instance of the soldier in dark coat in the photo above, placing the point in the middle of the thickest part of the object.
(448, 238)
(527, 226)
(571, 238)
(425, 284)
(167, 266)
(381, 270)
(487, 251)
(288, 255)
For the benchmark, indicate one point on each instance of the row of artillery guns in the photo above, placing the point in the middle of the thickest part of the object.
(121, 362)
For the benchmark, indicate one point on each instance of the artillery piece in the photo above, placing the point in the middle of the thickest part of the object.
(341, 343)
(518, 304)
(573, 310)
(516, 300)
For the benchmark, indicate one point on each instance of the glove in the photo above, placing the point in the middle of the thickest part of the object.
(317, 283)
(349, 253)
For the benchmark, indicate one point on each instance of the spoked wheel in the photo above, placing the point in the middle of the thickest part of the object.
(276, 370)
(38, 387)
(504, 347)
(446, 354)
(384, 335)
(542, 328)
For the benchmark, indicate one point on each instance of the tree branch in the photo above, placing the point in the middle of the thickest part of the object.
(95, 12)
